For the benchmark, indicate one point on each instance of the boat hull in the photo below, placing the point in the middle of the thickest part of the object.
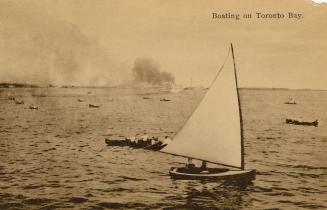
(120, 143)
(139, 145)
(155, 147)
(249, 175)
(296, 122)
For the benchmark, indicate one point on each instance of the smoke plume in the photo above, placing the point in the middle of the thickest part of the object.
(38, 47)
(146, 70)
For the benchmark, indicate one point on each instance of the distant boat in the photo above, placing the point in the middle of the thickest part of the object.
(93, 106)
(290, 101)
(147, 98)
(301, 122)
(33, 107)
(139, 144)
(164, 99)
(80, 100)
(214, 133)
(17, 101)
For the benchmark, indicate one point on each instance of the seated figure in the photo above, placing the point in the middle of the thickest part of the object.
(190, 164)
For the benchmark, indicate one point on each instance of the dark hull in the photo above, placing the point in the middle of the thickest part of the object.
(214, 174)
(296, 122)
(120, 143)
(155, 147)
(290, 103)
(93, 106)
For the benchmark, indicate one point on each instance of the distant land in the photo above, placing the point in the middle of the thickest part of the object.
(17, 85)
(25, 85)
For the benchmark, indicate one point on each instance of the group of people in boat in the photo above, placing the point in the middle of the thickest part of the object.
(153, 143)
(191, 168)
(299, 121)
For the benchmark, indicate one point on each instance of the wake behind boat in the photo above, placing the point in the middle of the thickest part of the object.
(214, 132)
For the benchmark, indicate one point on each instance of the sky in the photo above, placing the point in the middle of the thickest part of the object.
(96, 43)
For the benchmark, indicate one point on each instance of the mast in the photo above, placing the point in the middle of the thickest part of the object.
(240, 110)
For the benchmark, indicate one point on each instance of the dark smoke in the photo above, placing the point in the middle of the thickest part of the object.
(146, 70)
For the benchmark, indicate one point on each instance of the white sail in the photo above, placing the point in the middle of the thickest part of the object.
(213, 132)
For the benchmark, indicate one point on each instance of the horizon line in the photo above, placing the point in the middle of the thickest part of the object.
(38, 85)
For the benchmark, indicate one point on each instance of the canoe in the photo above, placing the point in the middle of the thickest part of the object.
(136, 145)
(93, 106)
(211, 173)
(297, 122)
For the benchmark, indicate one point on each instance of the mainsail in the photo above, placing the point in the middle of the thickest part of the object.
(213, 132)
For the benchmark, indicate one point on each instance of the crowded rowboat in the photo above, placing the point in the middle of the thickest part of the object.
(143, 143)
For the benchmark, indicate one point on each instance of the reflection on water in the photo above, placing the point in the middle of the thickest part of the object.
(220, 194)
(55, 157)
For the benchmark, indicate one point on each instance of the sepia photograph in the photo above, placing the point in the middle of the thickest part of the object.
(163, 104)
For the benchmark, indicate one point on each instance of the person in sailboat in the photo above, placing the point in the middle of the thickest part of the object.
(203, 167)
(190, 164)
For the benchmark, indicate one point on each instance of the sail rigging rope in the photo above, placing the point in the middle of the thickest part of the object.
(220, 69)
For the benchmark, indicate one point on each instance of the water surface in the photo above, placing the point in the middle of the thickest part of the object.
(55, 157)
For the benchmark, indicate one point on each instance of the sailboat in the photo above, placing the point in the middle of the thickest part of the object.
(214, 132)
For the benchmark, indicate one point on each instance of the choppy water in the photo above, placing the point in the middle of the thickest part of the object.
(55, 157)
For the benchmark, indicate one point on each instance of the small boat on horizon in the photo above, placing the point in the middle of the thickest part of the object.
(80, 100)
(17, 101)
(290, 101)
(165, 99)
(33, 107)
(94, 106)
